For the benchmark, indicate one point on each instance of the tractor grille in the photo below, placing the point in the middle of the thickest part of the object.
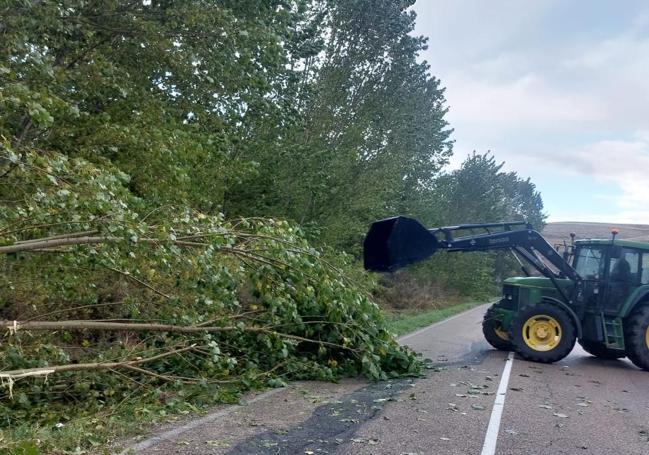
(509, 299)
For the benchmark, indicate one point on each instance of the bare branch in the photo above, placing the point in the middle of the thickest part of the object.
(98, 325)
(137, 280)
(44, 371)
(40, 243)
(14, 326)
(60, 236)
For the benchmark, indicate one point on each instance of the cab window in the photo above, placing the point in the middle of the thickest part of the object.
(589, 263)
(625, 268)
(644, 274)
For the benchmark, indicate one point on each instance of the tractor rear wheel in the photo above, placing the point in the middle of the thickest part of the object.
(542, 333)
(636, 337)
(493, 331)
(601, 351)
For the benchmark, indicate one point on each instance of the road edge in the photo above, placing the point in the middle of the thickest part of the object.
(432, 326)
(173, 432)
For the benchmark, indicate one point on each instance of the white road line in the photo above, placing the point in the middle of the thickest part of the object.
(489, 446)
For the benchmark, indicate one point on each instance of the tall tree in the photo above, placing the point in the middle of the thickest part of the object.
(372, 131)
(478, 192)
(173, 93)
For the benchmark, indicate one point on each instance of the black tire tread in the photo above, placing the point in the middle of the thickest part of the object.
(489, 334)
(634, 337)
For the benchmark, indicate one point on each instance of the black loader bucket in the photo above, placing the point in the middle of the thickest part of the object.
(396, 242)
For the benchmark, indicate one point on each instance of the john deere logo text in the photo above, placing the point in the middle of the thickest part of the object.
(501, 240)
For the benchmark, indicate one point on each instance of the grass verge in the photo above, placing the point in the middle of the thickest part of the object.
(406, 321)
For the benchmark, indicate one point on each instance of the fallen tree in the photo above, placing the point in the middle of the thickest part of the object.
(104, 292)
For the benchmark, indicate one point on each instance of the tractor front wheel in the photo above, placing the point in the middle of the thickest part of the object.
(493, 331)
(601, 351)
(636, 337)
(542, 333)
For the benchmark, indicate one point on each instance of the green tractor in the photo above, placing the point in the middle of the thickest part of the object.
(594, 291)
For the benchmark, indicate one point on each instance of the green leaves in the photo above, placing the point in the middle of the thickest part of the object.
(286, 309)
(39, 114)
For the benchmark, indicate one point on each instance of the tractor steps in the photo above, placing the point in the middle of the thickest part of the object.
(613, 332)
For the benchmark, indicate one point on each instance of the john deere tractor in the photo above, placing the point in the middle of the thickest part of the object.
(593, 291)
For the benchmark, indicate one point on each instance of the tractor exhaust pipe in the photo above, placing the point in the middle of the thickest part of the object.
(395, 242)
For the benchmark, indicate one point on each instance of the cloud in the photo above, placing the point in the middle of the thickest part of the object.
(508, 68)
(549, 88)
(600, 85)
(462, 31)
(624, 163)
(497, 109)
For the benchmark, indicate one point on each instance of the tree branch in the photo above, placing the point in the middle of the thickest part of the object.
(137, 280)
(60, 236)
(105, 325)
(14, 326)
(40, 243)
(44, 371)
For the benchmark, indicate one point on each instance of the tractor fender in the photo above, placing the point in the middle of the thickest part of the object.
(641, 294)
(570, 311)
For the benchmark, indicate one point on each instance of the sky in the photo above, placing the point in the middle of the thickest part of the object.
(557, 89)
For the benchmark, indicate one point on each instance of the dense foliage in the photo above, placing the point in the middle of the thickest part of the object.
(260, 301)
(206, 169)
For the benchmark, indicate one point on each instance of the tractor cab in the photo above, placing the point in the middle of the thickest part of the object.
(612, 272)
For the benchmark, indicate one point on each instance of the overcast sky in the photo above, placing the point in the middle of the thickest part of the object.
(558, 89)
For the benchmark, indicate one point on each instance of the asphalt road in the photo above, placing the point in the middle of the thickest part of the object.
(581, 405)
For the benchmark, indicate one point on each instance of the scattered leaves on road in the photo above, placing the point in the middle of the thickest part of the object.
(217, 443)
(371, 441)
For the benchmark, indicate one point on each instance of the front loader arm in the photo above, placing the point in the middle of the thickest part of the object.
(396, 242)
(527, 242)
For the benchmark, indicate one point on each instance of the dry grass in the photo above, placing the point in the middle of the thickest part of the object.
(402, 291)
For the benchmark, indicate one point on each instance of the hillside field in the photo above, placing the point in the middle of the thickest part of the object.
(559, 231)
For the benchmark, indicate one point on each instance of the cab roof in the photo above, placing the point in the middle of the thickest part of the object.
(624, 243)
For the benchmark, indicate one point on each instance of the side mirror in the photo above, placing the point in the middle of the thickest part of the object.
(616, 252)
